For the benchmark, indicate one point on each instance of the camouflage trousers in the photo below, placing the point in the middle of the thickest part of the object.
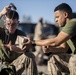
(62, 63)
(25, 63)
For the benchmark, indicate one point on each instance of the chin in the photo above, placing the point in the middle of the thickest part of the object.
(60, 26)
(11, 32)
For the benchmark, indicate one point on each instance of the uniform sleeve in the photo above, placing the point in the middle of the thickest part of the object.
(70, 28)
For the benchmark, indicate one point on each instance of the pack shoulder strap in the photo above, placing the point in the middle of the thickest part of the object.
(71, 45)
(2, 48)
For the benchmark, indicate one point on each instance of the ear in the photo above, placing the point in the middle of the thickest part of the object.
(66, 14)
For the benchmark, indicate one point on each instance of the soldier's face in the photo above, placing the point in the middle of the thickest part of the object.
(60, 18)
(11, 24)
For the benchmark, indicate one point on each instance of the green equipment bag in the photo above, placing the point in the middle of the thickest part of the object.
(7, 69)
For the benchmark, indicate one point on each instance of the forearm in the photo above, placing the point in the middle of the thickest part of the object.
(58, 49)
(5, 10)
(45, 42)
(16, 49)
(1, 15)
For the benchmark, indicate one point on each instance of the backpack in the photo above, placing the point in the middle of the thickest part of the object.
(7, 69)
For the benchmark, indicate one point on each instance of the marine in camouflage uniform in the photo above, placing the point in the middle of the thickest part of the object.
(24, 61)
(60, 61)
(63, 62)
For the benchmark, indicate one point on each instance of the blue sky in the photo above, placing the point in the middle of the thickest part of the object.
(37, 8)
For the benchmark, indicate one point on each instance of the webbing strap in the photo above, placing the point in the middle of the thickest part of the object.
(71, 45)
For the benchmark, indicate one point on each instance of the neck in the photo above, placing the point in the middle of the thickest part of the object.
(68, 20)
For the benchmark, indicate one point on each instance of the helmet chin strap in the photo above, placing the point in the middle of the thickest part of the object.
(6, 31)
(13, 7)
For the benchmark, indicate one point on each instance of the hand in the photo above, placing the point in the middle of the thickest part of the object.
(9, 45)
(26, 43)
(5, 10)
(46, 49)
(13, 47)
